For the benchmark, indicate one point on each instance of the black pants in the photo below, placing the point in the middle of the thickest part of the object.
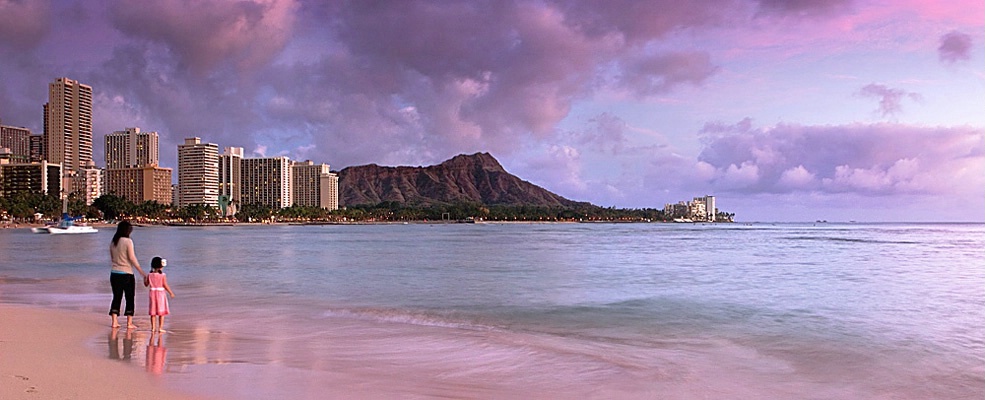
(122, 284)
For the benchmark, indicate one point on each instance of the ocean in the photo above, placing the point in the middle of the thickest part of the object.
(566, 310)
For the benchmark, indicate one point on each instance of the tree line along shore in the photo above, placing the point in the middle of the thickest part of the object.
(34, 208)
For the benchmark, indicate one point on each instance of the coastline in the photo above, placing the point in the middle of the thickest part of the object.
(45, 356)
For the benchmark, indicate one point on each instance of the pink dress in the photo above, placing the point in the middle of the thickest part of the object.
(158, 300)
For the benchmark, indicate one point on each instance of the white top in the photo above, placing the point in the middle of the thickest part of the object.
(122, 256)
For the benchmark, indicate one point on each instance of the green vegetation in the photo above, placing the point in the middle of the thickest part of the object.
(111, 207)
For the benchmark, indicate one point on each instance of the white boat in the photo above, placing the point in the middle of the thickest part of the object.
(67, 226)
(41, 229)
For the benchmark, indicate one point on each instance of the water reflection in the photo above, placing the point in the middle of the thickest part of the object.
(156, 354)
(114, 345)
(121, 347)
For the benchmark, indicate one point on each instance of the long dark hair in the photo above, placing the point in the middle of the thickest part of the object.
(123, 229)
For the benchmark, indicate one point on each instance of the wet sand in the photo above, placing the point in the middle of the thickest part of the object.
(43, 355)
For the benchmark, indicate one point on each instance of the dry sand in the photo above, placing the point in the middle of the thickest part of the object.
(44, 355)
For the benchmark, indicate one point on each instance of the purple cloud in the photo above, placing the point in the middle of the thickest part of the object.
(890, 100)
(652, 75)
(23, 24)
(804, 7)
(955, 46)
(871, 160)
(244, 35)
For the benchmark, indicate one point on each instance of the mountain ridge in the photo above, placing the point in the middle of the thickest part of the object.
(474, 178)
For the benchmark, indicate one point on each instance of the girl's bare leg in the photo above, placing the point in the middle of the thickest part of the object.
(153, 323)
(160, 324)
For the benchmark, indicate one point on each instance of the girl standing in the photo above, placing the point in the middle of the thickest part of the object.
(121, 277)
(158, 302)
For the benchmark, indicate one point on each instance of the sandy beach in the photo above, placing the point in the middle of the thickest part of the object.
(43, 355)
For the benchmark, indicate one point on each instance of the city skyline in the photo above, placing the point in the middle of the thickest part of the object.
(835, 110)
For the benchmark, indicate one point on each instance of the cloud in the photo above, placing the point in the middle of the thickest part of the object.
(804, 8)
(560, 165)
(797, 178)
(651, 75)
(890, 100)
(955, 46)
(245, 35)
(870, 160)
(23, 24)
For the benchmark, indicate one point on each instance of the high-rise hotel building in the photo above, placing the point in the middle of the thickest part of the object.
(131, 148)
(230, 177)
(68, 128)
(132, 170)
(266, 181)
(198, 173)
(314, 185)
(18, 140)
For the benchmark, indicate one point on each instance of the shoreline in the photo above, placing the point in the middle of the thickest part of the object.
(46, 356)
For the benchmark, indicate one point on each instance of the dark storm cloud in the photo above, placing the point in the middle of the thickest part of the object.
(954, 47)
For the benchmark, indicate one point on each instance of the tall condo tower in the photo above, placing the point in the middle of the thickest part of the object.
(198, 173)
(131, 148)
(230, 175)
(68, 127)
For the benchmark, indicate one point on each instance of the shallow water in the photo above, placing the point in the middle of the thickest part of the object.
(820, 311)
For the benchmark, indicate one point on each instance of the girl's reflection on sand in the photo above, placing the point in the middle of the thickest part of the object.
(154, 358)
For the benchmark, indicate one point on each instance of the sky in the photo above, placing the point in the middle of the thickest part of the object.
(784, 110)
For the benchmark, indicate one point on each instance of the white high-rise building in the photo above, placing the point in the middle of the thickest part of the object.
(266, 181)
(710, 207)
(314, 185)
(330, 191)
(68, 128)
(131, 148)
(198, 173)
(230, 178)
(94, 183)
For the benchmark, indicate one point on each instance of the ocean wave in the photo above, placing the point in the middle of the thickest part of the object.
(421, 318)
(848, 240)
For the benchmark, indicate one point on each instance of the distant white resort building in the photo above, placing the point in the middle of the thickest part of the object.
(701, 209)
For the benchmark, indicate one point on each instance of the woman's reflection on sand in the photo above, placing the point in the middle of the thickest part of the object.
(114, 344)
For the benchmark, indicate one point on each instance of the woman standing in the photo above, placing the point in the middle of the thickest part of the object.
(121, 275)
